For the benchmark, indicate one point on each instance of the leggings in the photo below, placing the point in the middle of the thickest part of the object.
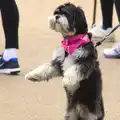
(10, 21)
(107, 11)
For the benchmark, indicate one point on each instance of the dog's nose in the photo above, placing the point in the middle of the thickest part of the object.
(57, 17)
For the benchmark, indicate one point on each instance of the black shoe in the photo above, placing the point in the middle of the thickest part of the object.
(9, 67)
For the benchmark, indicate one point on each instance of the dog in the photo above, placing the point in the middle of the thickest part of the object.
(76, 61)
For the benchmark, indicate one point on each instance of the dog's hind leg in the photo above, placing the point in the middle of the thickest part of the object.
(100, 119)
(71, 111)
(71, 114)
(102, 110)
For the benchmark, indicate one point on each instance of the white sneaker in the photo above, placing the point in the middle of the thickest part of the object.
(112, 52)
(98, 33)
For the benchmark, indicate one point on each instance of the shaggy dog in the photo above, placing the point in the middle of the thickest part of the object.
(76, 61)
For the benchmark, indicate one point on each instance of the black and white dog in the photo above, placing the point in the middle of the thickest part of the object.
(76, 61)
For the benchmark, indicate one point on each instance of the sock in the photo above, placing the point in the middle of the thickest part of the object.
(9, 53)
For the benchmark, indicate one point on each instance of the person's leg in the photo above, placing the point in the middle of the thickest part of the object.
(10, 20)
(115, 51)
(117, 5)
(107, 14)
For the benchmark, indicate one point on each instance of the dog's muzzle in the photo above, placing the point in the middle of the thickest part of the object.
(58, 23)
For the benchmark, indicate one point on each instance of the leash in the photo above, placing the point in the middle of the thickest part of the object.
(94, 13)
(105, 37)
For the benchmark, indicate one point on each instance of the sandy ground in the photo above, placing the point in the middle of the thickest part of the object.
(24, 100)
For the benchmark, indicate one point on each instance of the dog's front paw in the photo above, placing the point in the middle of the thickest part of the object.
(32, 77)
(39, 74)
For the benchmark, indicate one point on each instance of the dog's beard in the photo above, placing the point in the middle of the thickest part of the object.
(60, 25)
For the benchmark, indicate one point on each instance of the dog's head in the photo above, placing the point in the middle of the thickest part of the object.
(68, 20)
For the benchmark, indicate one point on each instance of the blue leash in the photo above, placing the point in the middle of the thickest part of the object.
(100, 42)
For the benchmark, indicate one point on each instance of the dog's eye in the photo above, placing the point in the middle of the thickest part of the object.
(57, 11)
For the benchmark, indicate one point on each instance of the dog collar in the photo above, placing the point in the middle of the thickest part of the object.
(70, 44)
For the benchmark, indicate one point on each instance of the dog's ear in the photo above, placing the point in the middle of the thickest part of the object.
(80, 21)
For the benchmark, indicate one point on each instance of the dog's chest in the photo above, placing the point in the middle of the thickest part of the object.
(71, 59)
(68, 62)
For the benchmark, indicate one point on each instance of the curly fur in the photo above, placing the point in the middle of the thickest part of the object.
(81, 73)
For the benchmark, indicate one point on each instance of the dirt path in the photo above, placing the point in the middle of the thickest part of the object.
(24, 100)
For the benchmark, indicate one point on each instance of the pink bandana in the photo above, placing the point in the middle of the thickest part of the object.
(70, 44)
